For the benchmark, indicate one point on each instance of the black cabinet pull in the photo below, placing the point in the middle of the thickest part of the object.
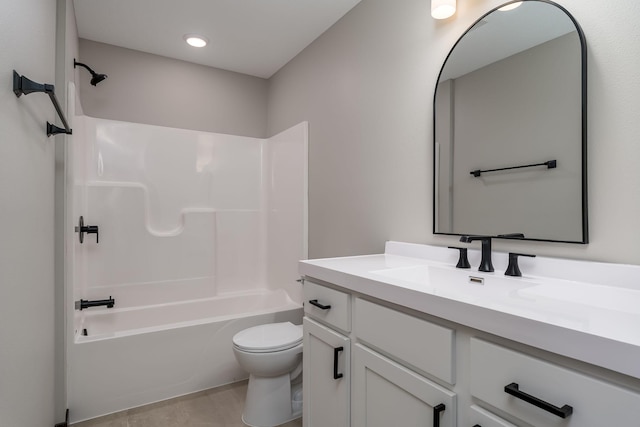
(477, 425)
(514, 390)
(436, 414)
(317, 304)
(336, 374)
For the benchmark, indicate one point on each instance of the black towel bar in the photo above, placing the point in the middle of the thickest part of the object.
(24, 86)
(551, 164)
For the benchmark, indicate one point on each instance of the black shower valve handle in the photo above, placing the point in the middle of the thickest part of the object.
(81, 229)
(93, 229)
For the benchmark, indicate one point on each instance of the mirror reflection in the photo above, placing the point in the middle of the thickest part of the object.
(509, 120)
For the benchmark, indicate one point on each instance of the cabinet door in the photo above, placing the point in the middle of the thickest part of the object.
(326, 377)
(388, 394)
(481, 418)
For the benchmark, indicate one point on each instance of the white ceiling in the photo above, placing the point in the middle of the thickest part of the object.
(255, 37)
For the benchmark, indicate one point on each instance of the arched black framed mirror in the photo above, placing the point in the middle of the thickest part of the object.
(510, 127)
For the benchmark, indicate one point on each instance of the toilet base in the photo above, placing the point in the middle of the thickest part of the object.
(269, 402)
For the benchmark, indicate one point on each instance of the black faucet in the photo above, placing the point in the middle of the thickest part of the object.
(485, 263)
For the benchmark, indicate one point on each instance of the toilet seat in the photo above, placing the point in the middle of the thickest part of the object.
(268, 338)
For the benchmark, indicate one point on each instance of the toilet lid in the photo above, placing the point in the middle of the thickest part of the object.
(269, 337)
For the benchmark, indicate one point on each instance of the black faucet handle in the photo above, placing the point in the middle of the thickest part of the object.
(463, 261)
(513, 269)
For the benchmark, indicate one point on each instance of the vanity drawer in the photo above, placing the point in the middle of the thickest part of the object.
(420, 344)
(594, 403)
(327, 305)
(478, 417)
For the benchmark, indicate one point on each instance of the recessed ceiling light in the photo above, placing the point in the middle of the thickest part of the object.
(195, 40)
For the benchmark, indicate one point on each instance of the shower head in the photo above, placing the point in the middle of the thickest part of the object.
(95, 77)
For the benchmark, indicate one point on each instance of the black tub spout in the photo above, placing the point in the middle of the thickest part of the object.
(83, 303)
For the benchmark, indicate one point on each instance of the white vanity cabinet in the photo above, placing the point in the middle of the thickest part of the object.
(327, 357)
(428, 344)
(369, 364)
(372, 375)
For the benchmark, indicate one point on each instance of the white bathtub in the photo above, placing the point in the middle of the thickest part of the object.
(135, 356)
(191, 254)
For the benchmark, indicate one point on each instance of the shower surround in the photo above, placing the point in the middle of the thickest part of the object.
(199, 237)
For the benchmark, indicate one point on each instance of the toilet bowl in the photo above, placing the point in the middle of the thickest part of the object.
(272, 355)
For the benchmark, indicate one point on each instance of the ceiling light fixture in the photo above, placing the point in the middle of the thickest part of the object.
(510, 6)
(195, 40)
(443, 9)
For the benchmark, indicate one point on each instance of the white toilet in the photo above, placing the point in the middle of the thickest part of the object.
(272, 355)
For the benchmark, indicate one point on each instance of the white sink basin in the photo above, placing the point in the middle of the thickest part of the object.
(458, 283)
(468, 285)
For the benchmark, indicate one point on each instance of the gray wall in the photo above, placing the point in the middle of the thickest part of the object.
(27, 350)
(151, 89)
(366, 88)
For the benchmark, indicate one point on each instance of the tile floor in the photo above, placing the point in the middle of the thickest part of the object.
(218, 407)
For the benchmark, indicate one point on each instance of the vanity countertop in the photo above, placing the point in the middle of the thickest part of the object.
(588, 311)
